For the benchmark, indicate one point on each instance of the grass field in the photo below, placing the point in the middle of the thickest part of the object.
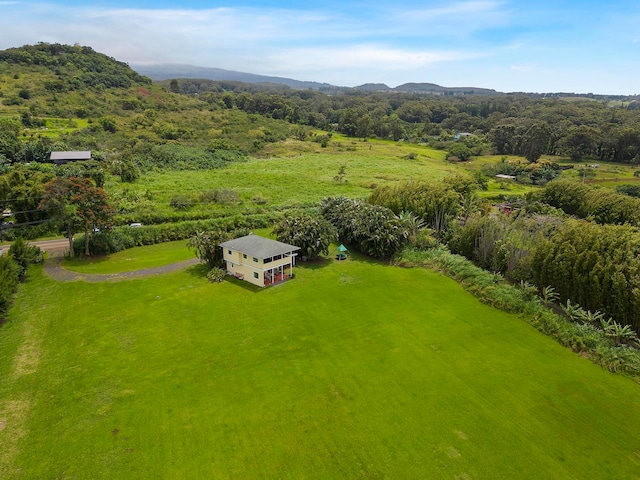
(294, 178)
(351, 370)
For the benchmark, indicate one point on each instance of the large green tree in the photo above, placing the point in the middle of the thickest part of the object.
(579, 142)
(313, 234)
(21, 190)
(373, 229)
(78, 205)
(205, 244)
(536, 141)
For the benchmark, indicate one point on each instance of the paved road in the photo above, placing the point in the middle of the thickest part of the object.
(54, 247)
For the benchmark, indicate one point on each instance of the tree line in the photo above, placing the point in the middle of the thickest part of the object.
(512, 124)
(592, 262)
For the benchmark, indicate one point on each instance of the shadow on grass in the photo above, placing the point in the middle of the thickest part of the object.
(241, 283)
(199, 271)
(314, 264)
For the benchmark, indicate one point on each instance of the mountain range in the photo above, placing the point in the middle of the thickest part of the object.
(159, 72)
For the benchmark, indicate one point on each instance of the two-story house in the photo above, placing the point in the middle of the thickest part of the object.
(259, 260)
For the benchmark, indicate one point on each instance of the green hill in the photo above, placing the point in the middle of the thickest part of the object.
(78, 98)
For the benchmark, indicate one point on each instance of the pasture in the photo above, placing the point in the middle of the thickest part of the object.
(351, 370)
(296, 177)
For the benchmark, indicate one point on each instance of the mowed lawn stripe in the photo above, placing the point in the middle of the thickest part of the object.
(351, 370)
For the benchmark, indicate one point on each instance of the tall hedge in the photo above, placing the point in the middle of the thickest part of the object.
(596, 266)
(121, 238)
(603, 205)
(10, 273)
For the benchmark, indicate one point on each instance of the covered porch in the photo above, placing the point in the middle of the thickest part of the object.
(278, 274)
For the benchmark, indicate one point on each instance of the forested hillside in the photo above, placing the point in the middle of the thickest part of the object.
(513, 124)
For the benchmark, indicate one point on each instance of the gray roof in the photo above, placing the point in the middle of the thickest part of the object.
(74, 155)
(259, 247)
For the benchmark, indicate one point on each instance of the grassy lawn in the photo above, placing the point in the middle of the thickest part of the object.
(135, 258)
(352, 370)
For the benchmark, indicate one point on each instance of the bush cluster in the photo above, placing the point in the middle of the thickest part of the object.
(596, 266)
(312, 233)
(372, 229)
(9, 279)
(437, 204)
(216, 275)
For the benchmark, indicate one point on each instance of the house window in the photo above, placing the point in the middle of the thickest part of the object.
(231, 263)
(255, 259)
(244, 255)
(256, 275)
(266, 260)
(229, 252)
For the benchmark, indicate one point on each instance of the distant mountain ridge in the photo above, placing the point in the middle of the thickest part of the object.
(433, 88)
(160, 72)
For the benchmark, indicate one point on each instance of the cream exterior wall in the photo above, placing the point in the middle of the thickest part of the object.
(238, 265)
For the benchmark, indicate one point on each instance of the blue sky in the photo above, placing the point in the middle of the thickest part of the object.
(533, 46)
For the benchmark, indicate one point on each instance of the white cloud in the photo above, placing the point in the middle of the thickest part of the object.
(460, 42)
(352, 65)
(316, 60)
(522, 68)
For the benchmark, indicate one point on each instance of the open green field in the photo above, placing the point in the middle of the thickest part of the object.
(351, 370)
(302, 173)
(292, 178)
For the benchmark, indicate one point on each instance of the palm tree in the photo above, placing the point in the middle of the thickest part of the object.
(593, 318)
(574, 311)
(411, 222)
(619, 333)
(549, 294)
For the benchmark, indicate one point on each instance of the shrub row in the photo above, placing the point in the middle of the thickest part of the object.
(9, 279)
(154, 218)
(494, 291)
(13, 266)
(597, 266)
(44, 229)
(121, 238)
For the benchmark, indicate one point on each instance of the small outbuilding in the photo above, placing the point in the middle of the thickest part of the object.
(462, 135)
(259, 260)
(61, 158)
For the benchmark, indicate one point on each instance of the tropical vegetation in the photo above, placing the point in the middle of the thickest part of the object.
(510, 195)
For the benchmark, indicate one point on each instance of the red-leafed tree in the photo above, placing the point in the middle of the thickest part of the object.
(78, 205)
